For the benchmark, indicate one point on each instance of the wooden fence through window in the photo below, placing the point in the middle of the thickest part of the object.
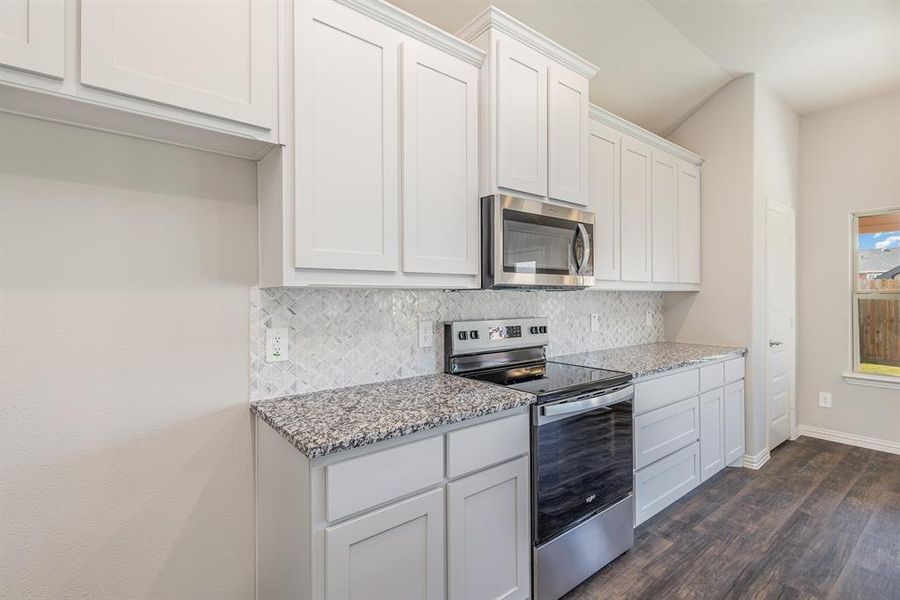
(879, 331)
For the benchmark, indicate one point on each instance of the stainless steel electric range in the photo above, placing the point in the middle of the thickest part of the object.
(581, 446)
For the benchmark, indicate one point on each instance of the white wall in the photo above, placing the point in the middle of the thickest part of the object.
(849, 160)
(125, 449)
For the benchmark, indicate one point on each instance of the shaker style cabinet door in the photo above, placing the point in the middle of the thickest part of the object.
(734, 421)
(712, 446)
(488, 534)
(664, 218)
(568, 136)
(604, 147)
(688, 223)
(521, 118)
(395, 553)
(217, 57)
(635, 185)
(440, 162)
(346, 111)
(32, 35)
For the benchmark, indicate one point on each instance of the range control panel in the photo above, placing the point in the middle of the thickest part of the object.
(470, 337)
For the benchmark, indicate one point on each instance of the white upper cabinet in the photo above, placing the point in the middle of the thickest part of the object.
(603, 151)
(213, 57)
(636, 209)
(534, 112)
(568, 136)
(688, 223)
(32, 35)
(664, 218)
(521, 118)
(347, 148)
(440, 162)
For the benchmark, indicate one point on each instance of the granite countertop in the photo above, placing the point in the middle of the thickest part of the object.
(320, 423)
(649, 359)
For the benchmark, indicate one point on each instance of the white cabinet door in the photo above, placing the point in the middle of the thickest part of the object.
(488, 537)
(215, 57)
(440, 162)
(568, 136)
(734, 422)
(396, 553)
(665, 481)
(603, 151)
(32, 35)
(688, 223)
(347, 150)
(661, 432)
(664, 218)
(712, 445)
(635, 185)
(521, 118)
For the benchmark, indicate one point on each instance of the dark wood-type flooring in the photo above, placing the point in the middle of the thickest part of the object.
(820, 520)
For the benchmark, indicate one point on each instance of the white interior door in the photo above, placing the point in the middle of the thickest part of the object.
(780, 318)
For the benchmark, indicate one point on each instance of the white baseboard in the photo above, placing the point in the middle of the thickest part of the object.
(847, 438)
(756, 461)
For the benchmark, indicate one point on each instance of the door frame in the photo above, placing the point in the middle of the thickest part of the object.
(773, 205)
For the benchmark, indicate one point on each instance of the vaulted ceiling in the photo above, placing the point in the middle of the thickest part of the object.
(659, 60)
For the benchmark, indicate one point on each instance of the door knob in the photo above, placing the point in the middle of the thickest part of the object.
(774, 343)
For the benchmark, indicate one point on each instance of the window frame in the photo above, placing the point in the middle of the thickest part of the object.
(855, 376)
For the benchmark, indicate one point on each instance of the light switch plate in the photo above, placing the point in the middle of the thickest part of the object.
(595, 322)
(276, 344)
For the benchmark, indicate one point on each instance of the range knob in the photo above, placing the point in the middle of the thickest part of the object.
(542, 329)
(533, 330)
(473, 334)
(463, 335)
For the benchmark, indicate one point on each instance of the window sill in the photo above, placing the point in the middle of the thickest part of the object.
(879, 381)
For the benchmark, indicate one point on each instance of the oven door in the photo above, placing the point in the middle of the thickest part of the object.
(582, 459)
(537, 244)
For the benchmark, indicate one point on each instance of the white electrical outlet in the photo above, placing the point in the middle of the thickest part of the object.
(595, 322)
(426, 334)
(825, 399)
(276, 344)
(648, 319)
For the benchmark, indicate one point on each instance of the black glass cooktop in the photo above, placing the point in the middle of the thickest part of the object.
(551, 379)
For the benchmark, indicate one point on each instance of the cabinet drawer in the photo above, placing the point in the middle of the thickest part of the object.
(366, 481)
(664, 482)
(658, 392)
(712, 377)
(665, 430)
(480, 446)
(734, 369)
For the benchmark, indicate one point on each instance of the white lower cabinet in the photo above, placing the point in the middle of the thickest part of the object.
(400, 520)
(395, 553)
(681, 439)
(487, 531)
(712, 445)
(733, 408)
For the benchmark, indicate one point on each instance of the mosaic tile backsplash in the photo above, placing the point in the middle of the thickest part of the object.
(341, 337)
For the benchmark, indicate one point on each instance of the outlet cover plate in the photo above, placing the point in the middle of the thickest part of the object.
(426, 334)
(825, 399)
(276, 344)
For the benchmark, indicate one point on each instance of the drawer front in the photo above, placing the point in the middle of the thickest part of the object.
(366, 481)
(712, 377)
(734, 369)
(665, 430)
(483, 445)
(649, 395)
(664, 482)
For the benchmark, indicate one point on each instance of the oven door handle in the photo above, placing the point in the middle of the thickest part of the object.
(580, 406)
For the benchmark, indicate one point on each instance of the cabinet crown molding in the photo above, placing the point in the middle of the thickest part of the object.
(417, 28)
(648, 137)
(493, 17)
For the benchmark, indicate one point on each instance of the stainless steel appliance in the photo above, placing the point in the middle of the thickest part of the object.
(530, 244)
(581, 446)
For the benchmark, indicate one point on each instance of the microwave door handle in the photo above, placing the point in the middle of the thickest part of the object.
(586, 249)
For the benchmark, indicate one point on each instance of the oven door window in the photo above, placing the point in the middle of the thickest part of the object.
(583, 465)
(541, 245)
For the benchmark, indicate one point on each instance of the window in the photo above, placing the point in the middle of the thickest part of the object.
(876, 293)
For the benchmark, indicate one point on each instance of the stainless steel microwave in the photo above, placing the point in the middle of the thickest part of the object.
(531, 244)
